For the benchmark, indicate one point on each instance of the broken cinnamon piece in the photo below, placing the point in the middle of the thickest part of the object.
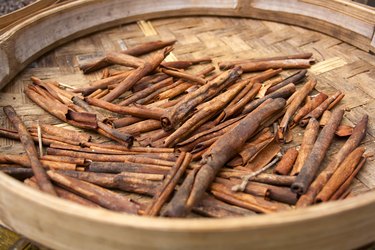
(287, 161)
(317, 154)
(40, 174)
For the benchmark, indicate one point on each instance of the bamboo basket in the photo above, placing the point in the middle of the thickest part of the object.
(222, 29)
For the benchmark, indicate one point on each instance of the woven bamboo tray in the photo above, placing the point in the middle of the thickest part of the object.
(37, 44)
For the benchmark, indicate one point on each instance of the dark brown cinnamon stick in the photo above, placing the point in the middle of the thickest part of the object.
(28, 143)
(308, 107)
(318, 152)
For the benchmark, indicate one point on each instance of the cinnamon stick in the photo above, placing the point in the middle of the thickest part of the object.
(275, 64)
(341, 174)
(340, 192)
(99, 195)
(230, 64)
(136, 111)
(308, 141)
(177, 115)
(292, 108)
(28, 144)
(308, 107)
(318, 111)
(62, 193)
(147, 91)
(222, 150)
(135, 51)
(318, 152)
(169, 184)
(184, 76)
(283, 92)
(294, 78)
(137, 74)
(353, 141)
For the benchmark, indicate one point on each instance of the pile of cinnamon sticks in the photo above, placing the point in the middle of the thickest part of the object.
(181, 138)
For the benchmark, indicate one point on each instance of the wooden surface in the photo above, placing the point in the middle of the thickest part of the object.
(64, 225)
